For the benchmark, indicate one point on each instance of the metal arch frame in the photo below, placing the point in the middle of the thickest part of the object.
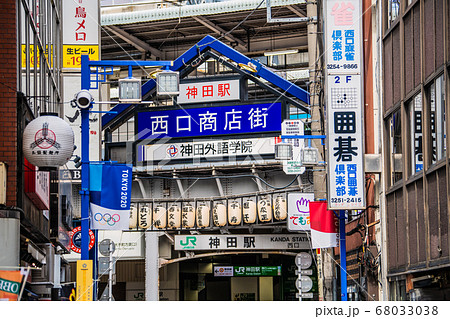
(204, 45)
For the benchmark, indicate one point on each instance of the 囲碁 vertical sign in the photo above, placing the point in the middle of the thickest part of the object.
(345, 98)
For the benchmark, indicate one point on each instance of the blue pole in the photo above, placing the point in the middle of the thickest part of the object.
(343, 255)
(85, 85)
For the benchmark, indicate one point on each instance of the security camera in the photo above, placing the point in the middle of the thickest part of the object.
(84, 99)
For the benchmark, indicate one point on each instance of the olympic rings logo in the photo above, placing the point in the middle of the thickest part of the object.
(107, 219)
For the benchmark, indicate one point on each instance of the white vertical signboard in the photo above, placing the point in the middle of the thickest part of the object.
(345, 98)
(80, 31)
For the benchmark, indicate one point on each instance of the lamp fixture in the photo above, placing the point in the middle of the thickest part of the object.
(281, 52)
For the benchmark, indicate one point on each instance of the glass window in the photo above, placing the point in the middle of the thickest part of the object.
(415, 116)
(436, 95)
(395, 147)
(393, 11)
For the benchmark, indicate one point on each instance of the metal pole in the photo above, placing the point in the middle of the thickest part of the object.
(151, 266)
(110, 272)
(343, 255)
(85, 85)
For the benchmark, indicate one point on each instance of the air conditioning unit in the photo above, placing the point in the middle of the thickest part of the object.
(3, 173)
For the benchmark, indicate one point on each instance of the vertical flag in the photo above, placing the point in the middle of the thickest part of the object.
(10, 283)
(110, 195)
(324, 226)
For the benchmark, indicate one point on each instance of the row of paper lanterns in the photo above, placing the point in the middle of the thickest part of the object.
(188, 217)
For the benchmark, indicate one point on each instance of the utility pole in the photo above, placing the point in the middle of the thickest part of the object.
(315, 51)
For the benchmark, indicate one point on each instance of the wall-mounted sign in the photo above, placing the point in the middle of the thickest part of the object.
(223, 271)
(211, 91)
(37, 186)
(257, 271)
(165, 153)
(80, 32)
(48, 141)
(209, 121)
(345, 117)
(241, 242)
(298, 211)
(246, 271)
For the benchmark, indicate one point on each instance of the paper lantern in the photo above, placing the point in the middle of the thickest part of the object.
(188, 216)
(159, 217)
(279, 208)
(145, 217)
(133, 216)
(234, 213)
(174, 217)
(220, 215)
(202, 216)
(48, 141)
(249, 212)
(264, 210)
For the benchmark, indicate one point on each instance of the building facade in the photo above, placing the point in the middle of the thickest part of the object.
(33, 232)
(415, 66)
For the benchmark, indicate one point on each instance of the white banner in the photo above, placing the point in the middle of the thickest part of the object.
(242, 242)
(212, 91)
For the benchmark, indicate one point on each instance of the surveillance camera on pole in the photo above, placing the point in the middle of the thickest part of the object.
(84, 99)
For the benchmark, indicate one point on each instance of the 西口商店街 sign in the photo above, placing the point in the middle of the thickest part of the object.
(208, 121)
(345, 97)
(242, 242)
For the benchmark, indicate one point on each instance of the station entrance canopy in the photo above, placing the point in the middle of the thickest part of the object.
(205, 49)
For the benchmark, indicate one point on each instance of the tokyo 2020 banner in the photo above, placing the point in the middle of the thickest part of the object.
(110, 195)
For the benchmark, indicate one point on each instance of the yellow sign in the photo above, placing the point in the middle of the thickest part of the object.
(85, 283)
(34, 59)
(72, 54)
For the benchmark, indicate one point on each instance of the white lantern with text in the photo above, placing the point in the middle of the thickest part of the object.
(174, 217)
(249, 212)
(264, 210)
(160, 217)
(48, 141)
(145, 217)
(234, 213)
(133, 216)
(203, 216)
(188, 216)
(280, 208)
(220, 215)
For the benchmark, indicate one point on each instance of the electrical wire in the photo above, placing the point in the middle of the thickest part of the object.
(222, 176)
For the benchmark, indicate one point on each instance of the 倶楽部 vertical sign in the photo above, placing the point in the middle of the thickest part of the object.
(345, 97)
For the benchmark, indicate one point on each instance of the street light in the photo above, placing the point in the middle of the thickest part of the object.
(84, 101)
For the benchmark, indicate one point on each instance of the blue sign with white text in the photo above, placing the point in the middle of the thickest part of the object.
(110, 195)
(208, 121)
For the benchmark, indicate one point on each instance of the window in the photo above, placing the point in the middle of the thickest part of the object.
(415, 116)
(393, 11)
(436, 104)
(395, 147)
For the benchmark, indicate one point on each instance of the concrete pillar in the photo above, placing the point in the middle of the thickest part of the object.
(151, 266)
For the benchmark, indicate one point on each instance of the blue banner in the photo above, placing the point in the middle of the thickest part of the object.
(210, 121)
(110, 195)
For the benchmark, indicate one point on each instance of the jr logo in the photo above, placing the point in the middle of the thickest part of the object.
(189, 243)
